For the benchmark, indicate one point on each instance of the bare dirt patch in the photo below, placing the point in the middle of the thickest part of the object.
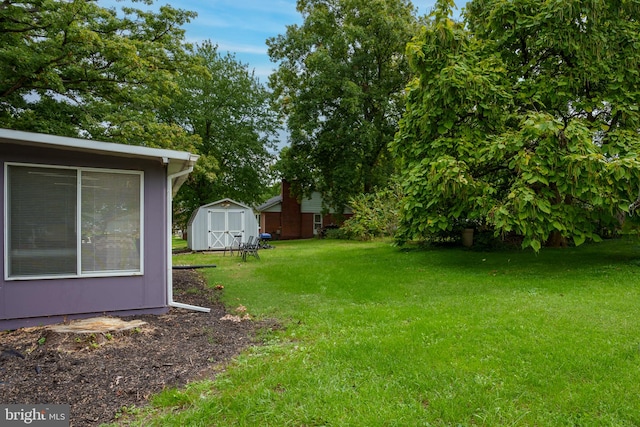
(97, 374)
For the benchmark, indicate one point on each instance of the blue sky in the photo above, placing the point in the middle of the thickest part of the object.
(241, 26)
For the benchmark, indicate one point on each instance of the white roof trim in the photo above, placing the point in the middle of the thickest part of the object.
(217, 202)
(77, 144)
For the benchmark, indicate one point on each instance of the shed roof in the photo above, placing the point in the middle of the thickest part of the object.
(209, 205)
(175, 161)
(221, 201)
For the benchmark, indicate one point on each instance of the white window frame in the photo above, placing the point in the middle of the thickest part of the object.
(79, 273)
(317, 225)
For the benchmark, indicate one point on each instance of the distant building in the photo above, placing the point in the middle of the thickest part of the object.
(285, 218)
(220, 225)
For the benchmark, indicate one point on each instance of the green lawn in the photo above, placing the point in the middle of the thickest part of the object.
(379, 336)
(178, 244)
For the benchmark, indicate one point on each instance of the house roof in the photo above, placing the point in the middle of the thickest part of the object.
(269, 203)
(175, 161)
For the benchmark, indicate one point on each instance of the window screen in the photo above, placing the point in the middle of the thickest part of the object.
(42, 221)
(43, 213)
(110, 222)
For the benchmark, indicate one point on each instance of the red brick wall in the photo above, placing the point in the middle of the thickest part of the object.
(306, 231)
(291, 220)
(270, 223)
(331, 219)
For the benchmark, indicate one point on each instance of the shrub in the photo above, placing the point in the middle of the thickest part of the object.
(335, 233)
(375, 214)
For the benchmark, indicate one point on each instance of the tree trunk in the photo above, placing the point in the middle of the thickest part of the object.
(556, 240)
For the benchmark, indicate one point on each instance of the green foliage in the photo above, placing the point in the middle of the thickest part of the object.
(228, 109)
(631, 225)
(375, 214)
(339, 84)
(525, 121)
(74, 68)
(336, 233)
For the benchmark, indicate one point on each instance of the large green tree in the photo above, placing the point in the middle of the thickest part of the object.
(74, 68)
(339, 83)
(228, 108)
(525, 121)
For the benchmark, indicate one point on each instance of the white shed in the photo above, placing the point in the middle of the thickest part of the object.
(216, 225)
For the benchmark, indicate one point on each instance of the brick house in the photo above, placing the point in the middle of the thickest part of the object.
(284, 217)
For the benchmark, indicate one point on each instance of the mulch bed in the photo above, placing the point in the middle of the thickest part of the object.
(98, 374)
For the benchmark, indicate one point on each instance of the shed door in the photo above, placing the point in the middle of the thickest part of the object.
(235, 226)
(223, 226)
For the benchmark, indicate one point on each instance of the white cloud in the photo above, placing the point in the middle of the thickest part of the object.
(242, 48)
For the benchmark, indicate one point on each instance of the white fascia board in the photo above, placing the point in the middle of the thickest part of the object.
(176, 160)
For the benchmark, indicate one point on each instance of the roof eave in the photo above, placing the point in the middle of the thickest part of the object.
(269, 204)
(177, 160)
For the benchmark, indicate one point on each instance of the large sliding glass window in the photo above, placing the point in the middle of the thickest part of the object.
(72, 222)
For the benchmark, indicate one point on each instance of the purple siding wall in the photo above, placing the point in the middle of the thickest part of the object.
(33, 302)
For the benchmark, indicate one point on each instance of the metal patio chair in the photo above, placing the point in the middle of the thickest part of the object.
(251, 248)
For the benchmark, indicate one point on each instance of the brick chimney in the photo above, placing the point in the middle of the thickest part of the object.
(291, 218)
